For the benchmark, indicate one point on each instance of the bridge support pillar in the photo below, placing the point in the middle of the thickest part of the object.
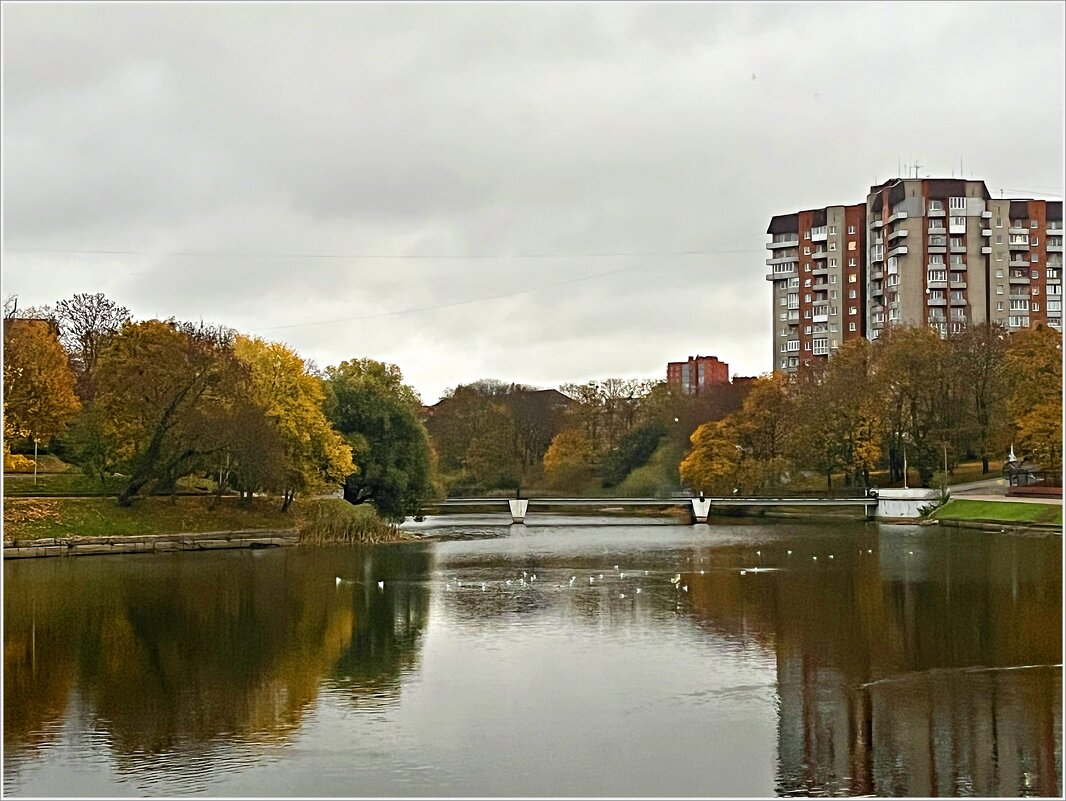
(518, 510)
(701, 508)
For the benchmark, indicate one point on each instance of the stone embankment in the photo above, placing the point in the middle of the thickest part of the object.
(149, 543)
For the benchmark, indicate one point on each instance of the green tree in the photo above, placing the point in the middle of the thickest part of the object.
(634, 450)
(378, 414)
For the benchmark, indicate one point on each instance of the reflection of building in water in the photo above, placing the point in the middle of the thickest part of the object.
(929, 611)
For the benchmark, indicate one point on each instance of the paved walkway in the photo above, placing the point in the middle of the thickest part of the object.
(1030, 499)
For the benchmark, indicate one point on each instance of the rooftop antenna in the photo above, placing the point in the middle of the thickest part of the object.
(916, 166)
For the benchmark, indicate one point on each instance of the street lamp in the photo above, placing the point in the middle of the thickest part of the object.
(903, 437)
(35, 461)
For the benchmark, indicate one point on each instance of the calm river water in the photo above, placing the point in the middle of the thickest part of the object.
(788, 659)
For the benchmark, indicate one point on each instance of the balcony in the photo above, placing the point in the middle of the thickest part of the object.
(986, 232)
(877, 223)
(936, 302)
(902, 232)
(958, 285)
(819, 234)
(900, 250)
(820, 254)
(792, 242)
(1017, 229)
(938, 230)
(1017, 261)
(899, 215)
(1057, 248)
(937, 284)
(878, 241)
(1018, 279)
(986, 250)
(1018, 244)
(956, 248)
(770, 262)
(958, 301)
(935, 212)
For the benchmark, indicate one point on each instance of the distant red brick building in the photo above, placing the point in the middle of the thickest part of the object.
(698, 374)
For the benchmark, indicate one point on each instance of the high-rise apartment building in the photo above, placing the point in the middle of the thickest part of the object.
(816, 267)
(698, 374)
(938, 252)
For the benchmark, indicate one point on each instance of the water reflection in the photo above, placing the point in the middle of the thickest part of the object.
(887, 656)
(169, 654)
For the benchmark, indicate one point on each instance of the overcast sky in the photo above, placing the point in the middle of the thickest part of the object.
(538, 193)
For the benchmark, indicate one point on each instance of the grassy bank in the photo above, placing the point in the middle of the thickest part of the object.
(1000, 512)
(319, 520)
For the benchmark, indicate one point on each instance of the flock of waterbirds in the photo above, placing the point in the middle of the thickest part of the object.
(610, 578)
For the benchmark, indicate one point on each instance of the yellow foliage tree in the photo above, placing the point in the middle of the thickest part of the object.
(39, 397)
(1034, 370)
(307, 454)
(569, 460)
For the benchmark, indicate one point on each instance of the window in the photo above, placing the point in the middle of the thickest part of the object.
(999, 273)
(936, 258)
(852, 245)
(1034, 223)
(938, 275)
(807, 314)
(1034, 257)
(999, 305)
(851, 230)
(793, 300)
(806, 345)
(832, 264)
(806, 329)
(832, 230)
(853, 310)
(999, 290)
(852, 294)
(807, 234)
(832, 294)
(1036, 307)
(958, 221)
(806, 250)
(807, 298)
(999, 222)
(853, 278)
(999, 239)
(807, 283)
(956, 203)
(936, 205)
(1034, 240)
(1054, 289)
(851, 327)
(832, 245)
(1054, 305)
(1019, 304)
(807, 267)
(793, 283)
(851, 262)
(1036, 290)
(1035, 274)
(832, 279)
(957, 260)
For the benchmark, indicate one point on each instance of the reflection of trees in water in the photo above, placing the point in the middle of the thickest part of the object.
(171, 653)
(388, 625)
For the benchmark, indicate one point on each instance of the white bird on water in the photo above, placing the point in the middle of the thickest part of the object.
(572, 580)
(339, 581)
(381, 585)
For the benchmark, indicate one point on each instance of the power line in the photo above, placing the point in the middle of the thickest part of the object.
(453, 303)
(370, 256)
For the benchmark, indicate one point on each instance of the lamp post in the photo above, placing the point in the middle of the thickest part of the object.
(904, 438)
(35, 461)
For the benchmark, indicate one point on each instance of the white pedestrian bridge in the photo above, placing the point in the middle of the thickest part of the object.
(700, 507)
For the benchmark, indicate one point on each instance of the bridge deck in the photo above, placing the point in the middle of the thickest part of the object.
(683, 502)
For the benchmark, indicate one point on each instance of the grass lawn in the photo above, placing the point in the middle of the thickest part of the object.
(22, 485)
(62, 517)
(320, 520)
(1001, 512)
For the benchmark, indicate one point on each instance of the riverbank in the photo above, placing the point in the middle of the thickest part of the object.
(1000, 515)
(67, 526)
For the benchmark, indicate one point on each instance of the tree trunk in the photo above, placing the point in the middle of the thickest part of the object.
(289, 495)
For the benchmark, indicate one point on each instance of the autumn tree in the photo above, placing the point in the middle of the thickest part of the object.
(716, 463)
(569, 462)
(633, 451)
(980, 355)
(39, 397)
(1034, 370)
(378, 414)
(282, 440)
(159, 389)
